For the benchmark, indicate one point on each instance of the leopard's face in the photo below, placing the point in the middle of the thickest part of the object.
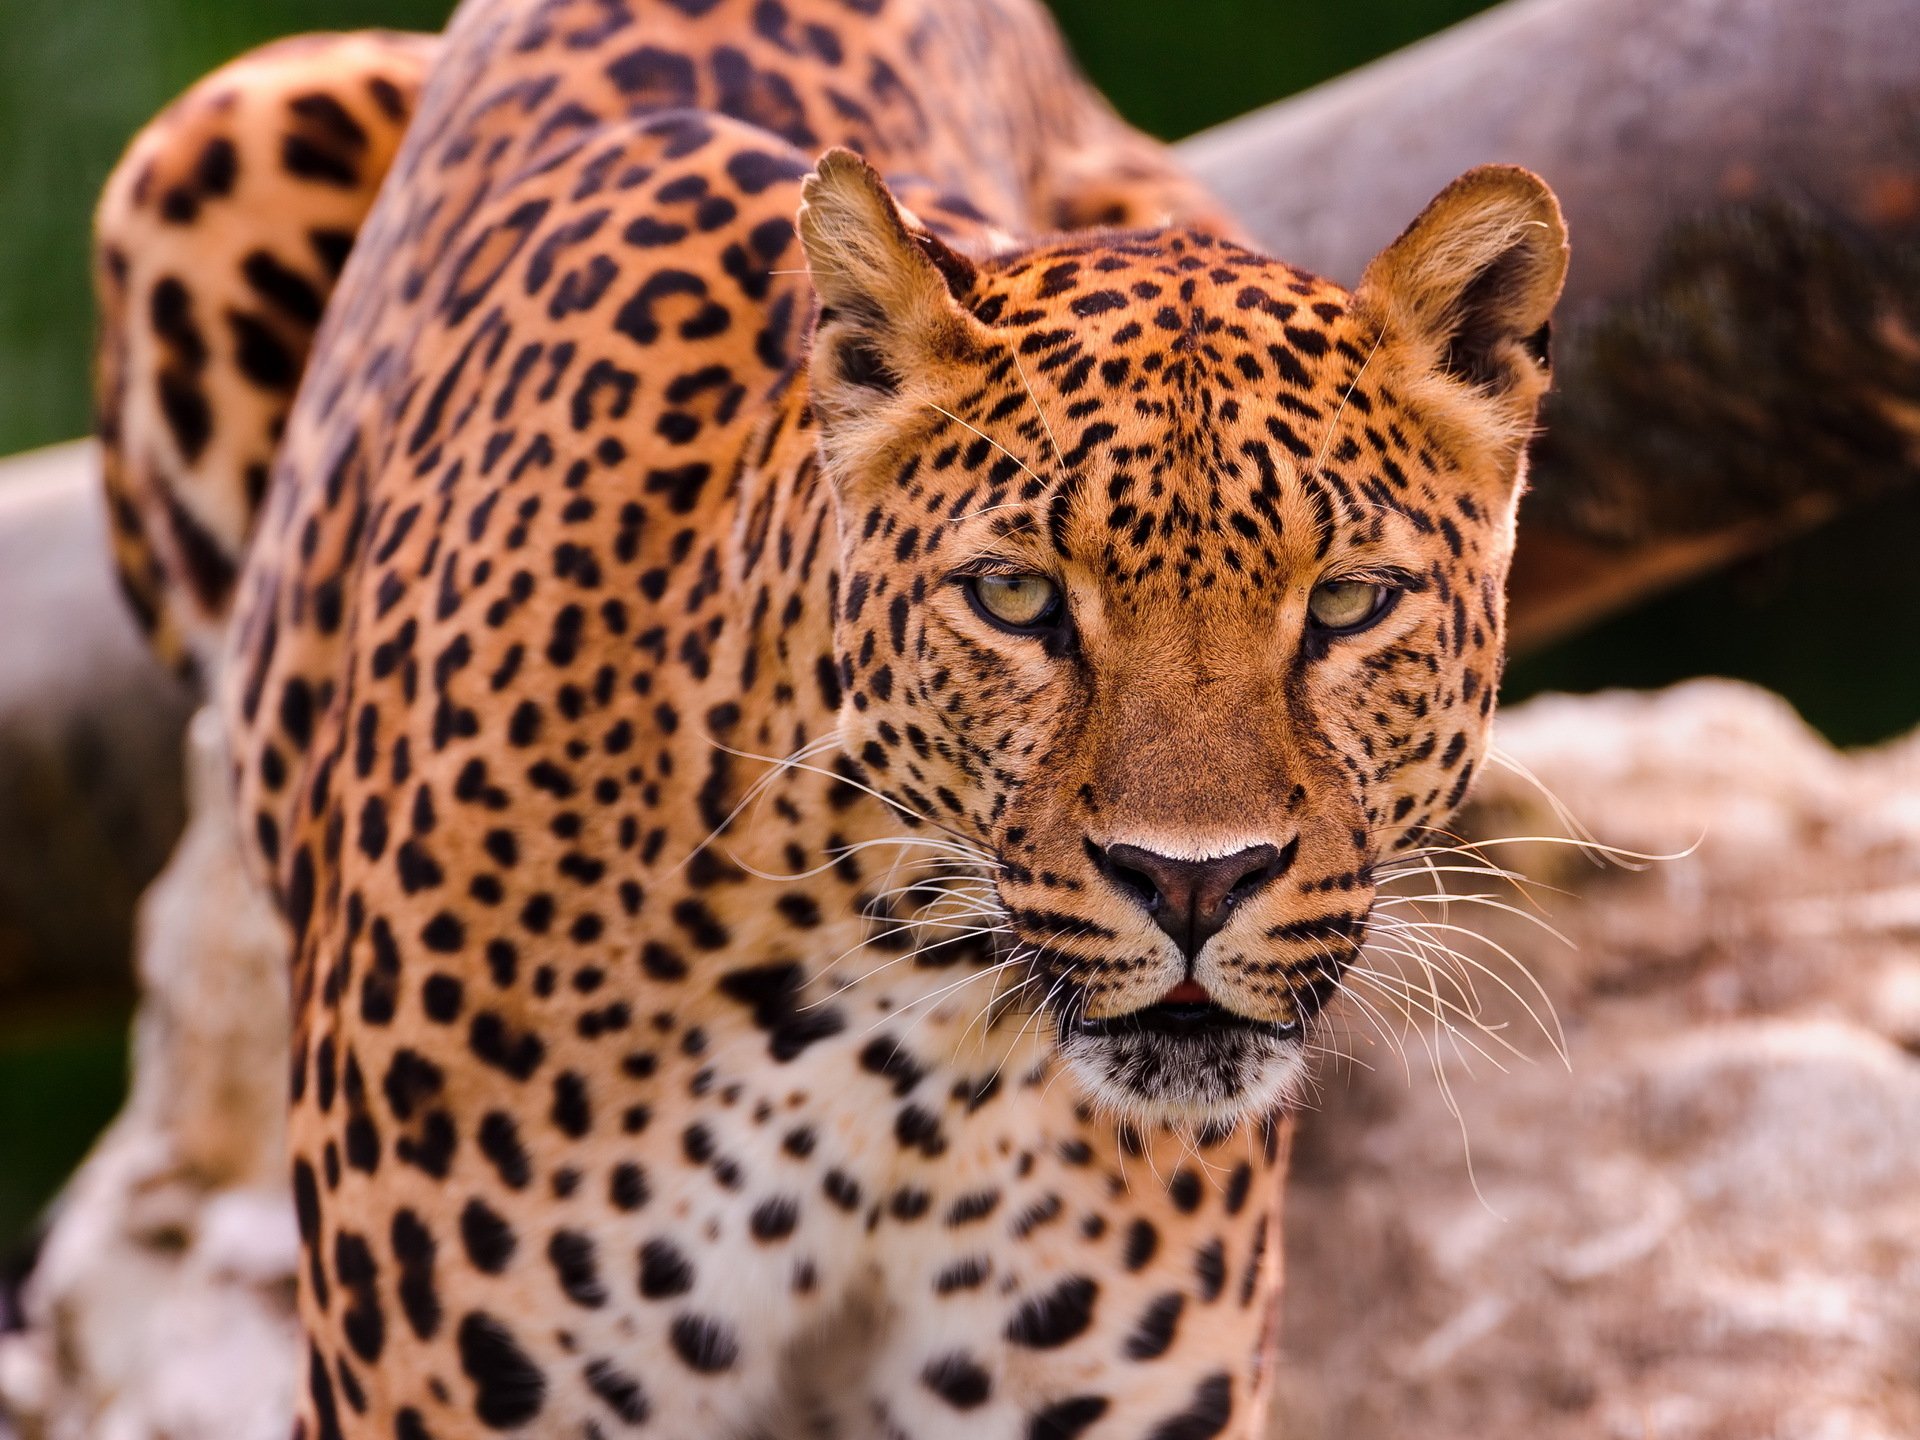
(1171, 589)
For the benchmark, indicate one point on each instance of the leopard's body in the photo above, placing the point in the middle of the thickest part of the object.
(645, 1084)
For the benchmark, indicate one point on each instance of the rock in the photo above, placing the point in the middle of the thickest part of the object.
(1705, 1226)
(162, 1303)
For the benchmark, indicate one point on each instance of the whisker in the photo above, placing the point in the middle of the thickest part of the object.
(780, 764)
(1554, 1034)
(1435, 1007)
(1487, 901)
(927, 841)
(884, 799)
(988, 438)
(1032, 399)
(1614, 851)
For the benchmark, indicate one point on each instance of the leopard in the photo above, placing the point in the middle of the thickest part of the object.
(822, 659)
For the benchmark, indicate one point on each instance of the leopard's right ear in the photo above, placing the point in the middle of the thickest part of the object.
(890, 293)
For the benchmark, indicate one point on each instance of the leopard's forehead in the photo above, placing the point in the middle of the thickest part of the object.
(1175, 411)
(1163, 280)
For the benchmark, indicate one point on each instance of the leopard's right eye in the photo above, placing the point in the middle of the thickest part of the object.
(1021, 604)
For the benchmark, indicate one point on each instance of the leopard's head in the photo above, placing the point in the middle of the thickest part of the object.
(1171, 579)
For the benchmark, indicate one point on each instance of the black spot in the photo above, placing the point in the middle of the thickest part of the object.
(287, 290)
(1067, 1419)
(306, 1201)
(1154, 1334)
(363, 1324)
(627, 1186)
(411, 1080)
(976, 1205)
(508, 1387)
(1210, 1267)
(754, 170)
(701, 925)
(260, 354)
(842, 1189)
(792, 1036)
(1237, 1186)
(326, 114)
(217, 167)
(620, 1391)
(500, 1143)
(1045, 1322)
(443, 933)
(573, 1259)
(490, 1038)
(320, 1387)
(771, 992)
(432, 1150)
(1097, 302)
(775, 1218)
(1206, 1414)
(1142, 1240)
(916, 1127)
(664, 1270)
(885, 1056)
(571, 1111)
(661, 963)
(188, 416)
(362, 1143)
(706, 1344)
(413, 1252)
(440, 998)
(1184, 1191)
(958, 1379)
(696, 1143)
(489, 1239)
(966, 1274)
(653, 78)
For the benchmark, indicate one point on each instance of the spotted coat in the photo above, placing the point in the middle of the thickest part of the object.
(725, 1003)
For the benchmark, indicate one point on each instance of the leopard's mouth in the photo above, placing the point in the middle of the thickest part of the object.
(1187, 1012)
(1186, 1057)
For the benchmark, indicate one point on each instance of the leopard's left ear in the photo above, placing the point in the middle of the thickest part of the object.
(889, 305)
(1469, 287)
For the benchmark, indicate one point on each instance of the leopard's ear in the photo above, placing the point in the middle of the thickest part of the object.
(1468, 288)
(889, 291)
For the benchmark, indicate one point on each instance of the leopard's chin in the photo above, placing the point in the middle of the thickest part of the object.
(1185, 1064)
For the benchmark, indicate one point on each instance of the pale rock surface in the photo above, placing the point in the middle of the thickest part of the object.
(1707, 1225)
(162, 1304)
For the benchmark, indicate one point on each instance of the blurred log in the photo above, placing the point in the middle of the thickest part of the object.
(1738, 353)
(89, 737)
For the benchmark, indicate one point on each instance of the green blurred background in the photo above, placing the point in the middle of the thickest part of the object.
(78, 76)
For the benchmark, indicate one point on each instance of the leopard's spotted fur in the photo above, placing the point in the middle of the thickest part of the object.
(643, 1083)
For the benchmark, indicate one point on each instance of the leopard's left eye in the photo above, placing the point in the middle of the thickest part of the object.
(1343, 606)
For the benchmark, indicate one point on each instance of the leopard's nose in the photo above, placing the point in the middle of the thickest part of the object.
(1192, 900)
